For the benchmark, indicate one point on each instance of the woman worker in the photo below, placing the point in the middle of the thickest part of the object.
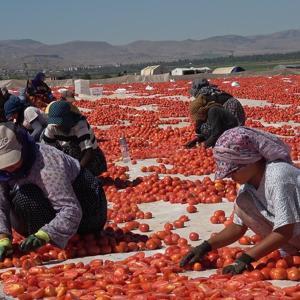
(268, 201)
(31, 118)
(74, 135)
(44, 194)
(212, 119)
(38, 92)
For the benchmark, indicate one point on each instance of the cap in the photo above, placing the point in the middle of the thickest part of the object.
(10, 148)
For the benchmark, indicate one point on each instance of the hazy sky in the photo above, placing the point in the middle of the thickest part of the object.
(123, 21)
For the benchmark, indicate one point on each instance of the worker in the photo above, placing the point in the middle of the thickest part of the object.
(74, 135)
(38, 93)
(31, 118)
(212, 119)
(44, 194)
(268, 201)
(68, 96)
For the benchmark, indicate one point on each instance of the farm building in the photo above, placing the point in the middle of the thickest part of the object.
(287, 67)
(228, 70)
(188, 71)
(151, 70)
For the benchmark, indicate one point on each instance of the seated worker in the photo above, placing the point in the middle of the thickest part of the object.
(211, 120)
(268, 201)
(44, 194)
(38, 92)
(74, 135)
(30, 117)
(69, 96)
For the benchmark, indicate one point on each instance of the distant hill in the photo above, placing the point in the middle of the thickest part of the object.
(13, 53)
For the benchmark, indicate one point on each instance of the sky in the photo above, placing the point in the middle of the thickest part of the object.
(120, 22)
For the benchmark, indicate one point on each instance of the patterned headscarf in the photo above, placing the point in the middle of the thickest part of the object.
(240, 146)
(200, 106)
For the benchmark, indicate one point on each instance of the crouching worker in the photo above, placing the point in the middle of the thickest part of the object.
(268, 201)
(74, 135)
(44, 194)
(212, 119)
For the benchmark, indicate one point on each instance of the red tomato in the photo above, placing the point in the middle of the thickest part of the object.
(194, 236)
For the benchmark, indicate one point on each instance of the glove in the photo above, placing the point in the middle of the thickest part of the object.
(240, 265)
(5, 247)
(196, 254)
(191, 144)
(35, 241)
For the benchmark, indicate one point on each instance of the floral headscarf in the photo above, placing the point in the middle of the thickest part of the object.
(241, 146)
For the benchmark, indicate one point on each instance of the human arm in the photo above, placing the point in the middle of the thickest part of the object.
(5, 226)
(192, 143)
(63, 199)
(37, 129)
(227, 236)
(271, 242)
(87, 157)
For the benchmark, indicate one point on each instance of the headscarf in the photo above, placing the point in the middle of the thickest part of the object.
(38, 79)
(60, 113)
(203, 87)
(13, 105)
(200, 106)
(197, 84)
(240, 146)
(29, 152)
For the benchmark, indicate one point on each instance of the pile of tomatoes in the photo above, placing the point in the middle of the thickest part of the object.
(137, 277)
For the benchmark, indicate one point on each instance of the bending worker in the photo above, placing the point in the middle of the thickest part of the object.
(212, 119)
(269, 196)
(75, 136)
(44, 194)
(31, 118)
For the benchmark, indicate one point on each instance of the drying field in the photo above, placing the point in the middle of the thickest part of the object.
(163, 202)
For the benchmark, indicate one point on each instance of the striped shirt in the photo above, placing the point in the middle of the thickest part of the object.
(81, 134)
(277, 197)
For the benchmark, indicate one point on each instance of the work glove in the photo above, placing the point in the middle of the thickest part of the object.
(195, 254)
(240, 265)
(191, 144)
(35, 241)
(5, 247)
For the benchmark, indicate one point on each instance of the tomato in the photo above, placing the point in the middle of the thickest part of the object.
(144, 227)
(278, 274)
(194, 236)
(13, 289)
(293, 274)
(191, 209)
(178, 224)
(197, 266)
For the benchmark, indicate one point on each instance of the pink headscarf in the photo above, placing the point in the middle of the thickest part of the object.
(241, 146)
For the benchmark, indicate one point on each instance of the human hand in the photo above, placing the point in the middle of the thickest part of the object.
(195, 254)
(34, 241)
(5, 247)
(240, 265)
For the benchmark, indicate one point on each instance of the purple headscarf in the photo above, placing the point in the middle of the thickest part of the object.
(38, 79)
(241, 146)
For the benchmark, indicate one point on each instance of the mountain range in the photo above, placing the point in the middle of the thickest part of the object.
(13, 53)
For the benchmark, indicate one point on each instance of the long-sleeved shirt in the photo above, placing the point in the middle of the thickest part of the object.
(53, 172)
(218, 121)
